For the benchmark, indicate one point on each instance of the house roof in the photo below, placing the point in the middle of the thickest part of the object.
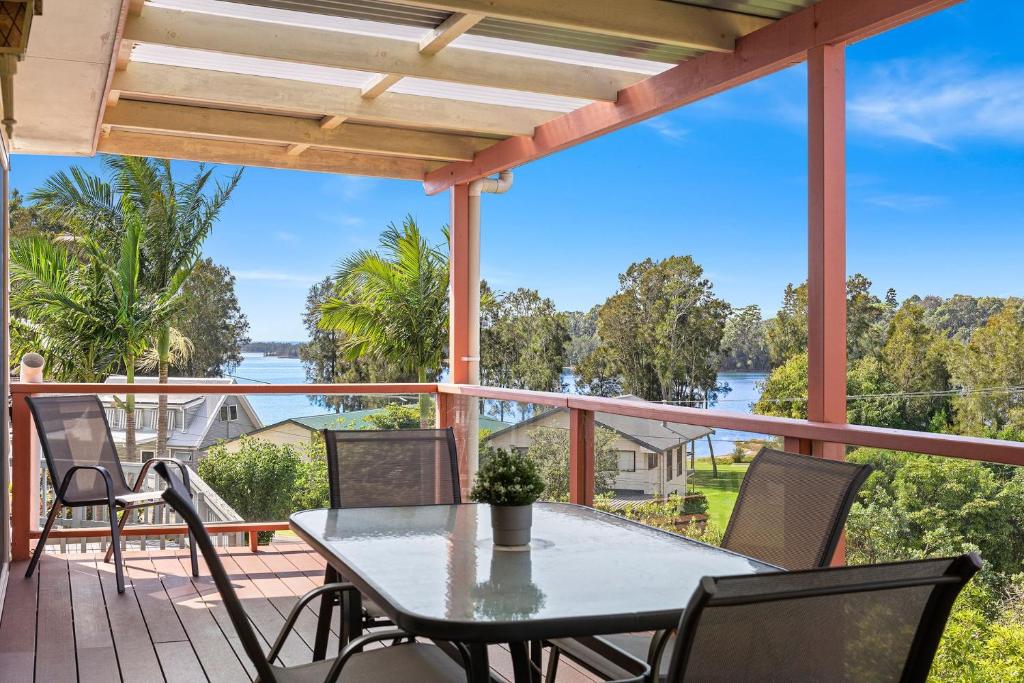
(654, 435)
(203, 409)
(353, 419)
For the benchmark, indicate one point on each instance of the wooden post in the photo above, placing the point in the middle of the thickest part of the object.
(826, 241)
(826, 273)
(22, 481)
(458, 316)
(581, 456)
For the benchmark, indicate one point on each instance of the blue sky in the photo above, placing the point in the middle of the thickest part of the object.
(935, 171)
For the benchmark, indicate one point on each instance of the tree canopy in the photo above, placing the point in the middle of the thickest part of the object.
(212, 320)
(660, 333)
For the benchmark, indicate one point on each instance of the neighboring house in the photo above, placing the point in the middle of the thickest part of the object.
(651, 454)
(194, 421)
(303, 430)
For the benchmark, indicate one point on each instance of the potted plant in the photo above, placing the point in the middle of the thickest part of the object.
(509, 483)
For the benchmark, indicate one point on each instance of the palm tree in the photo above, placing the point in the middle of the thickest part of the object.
(88, 292)
(393, 304)
(178, 218)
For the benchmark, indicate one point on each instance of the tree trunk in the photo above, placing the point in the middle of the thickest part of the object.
(164, 354)
(129, 412)
(426, 414)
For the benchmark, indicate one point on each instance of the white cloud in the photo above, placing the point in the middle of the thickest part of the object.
(349, 187)
(906, 202)
(273, 276)
(940, 104)
(667, 129)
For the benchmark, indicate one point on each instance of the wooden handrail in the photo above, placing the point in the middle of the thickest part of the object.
(221, 389)
(949, 445)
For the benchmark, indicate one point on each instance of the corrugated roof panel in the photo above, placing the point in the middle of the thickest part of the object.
(582, 40)
(771, 9)
(296, 18)
(425, 87)
(367, 10)
(588, 49)
(252, 66)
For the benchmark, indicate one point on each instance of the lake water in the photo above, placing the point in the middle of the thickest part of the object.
(256, 368)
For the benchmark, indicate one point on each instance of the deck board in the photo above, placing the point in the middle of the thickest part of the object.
(167, 625)
(94, 645)
(55, 625)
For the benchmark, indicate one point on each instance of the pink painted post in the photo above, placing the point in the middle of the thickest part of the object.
(826, 241)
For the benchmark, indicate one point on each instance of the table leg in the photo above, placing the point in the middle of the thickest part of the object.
(536, 657)
(352, 617)
(323, 620)
(479, 667)
(522, 670)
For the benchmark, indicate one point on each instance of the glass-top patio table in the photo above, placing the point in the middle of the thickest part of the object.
(436, 574)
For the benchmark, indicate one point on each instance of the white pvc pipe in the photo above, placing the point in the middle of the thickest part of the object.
(498, 185)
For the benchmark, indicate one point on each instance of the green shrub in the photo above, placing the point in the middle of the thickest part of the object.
(694, 504)
(507, 479)
(258, 480)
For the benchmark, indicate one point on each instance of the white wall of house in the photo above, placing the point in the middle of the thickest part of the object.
(640, 468)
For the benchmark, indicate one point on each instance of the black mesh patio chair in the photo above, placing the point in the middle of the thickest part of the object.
(790, 512)
(879, 622)
(421, 662)
(388, 468)
(85, 469)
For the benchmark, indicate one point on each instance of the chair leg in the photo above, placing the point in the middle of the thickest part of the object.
(115, 546)
(552, 664)
(41, 543)
(120, 527)
(192, 552)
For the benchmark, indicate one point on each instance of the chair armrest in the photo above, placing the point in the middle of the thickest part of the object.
(293, 616)
(356, 646)
(182, 467)
(104, 472)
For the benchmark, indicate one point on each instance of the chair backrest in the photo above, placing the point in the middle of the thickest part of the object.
(864, 623)
(177, 496)
(73, 430)
(791, 508)
(392, 467)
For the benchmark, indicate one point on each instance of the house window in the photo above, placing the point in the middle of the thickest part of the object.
(228, 413)
(147, 455)
(627, 461)
(652, 461)
(172, 418)
(680, 461)
(184, 456)
(668, 466)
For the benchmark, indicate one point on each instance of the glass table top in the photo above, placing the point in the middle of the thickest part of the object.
(438, 563)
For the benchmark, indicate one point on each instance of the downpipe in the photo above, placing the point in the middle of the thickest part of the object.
(499, 185)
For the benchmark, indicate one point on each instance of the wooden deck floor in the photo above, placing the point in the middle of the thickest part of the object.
(67, 623)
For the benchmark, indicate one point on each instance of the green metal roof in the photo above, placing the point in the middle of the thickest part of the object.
(356, 419)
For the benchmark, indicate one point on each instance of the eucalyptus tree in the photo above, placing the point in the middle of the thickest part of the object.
(393, 303)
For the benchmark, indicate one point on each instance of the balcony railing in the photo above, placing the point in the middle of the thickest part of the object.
(457, 407)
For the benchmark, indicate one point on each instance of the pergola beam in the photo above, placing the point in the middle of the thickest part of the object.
(656, 21)
(270, 156)
(176, 119)
(449, 29)
(301, 97)
(765, 51)
(373, 54)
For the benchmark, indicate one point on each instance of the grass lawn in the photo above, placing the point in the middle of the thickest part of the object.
(721, 492)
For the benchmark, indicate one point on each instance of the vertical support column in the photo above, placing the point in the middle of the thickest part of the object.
(826, 241)
(581, 456)
(22, 481)
(461, 326)
(5, 353)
